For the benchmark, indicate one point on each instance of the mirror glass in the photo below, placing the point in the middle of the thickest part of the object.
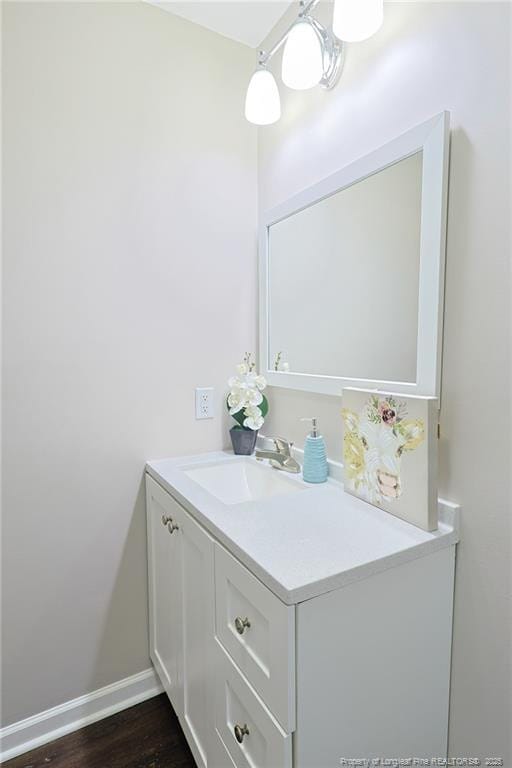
(343, 280)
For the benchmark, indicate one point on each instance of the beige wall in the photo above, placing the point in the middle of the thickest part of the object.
(129, 279)
(429, 57)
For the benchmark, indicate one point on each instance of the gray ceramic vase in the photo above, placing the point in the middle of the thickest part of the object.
(243, 440)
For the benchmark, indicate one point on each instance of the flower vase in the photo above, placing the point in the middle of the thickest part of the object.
(243, 440)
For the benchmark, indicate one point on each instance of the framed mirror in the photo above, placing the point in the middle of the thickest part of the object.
(352, 273)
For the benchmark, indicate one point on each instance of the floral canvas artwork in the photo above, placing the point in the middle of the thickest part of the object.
(390, 453)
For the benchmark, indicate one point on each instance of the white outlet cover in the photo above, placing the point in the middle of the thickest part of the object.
(204, 403)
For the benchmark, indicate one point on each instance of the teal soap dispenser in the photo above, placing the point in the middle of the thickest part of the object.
(315, 468)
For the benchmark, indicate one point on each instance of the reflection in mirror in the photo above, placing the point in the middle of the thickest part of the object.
(343, 280)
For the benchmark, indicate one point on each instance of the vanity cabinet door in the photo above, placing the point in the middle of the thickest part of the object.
(181, 613)
(165, 591)
(197, 636)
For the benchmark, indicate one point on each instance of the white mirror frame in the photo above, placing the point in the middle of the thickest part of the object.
(432, 138)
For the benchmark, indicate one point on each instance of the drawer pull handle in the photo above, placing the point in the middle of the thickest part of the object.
(172, 526)
(242, 624)
(166, 519)
(240, 732)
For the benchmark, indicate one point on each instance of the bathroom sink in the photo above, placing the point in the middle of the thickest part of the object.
(239, 480)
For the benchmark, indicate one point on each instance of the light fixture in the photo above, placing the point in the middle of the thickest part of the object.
(312, 54)
(262, 102)
(356, 20)
(303, 57)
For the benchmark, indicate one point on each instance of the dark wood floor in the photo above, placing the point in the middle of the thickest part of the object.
(145, 736)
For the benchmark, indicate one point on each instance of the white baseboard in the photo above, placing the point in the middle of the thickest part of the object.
(53, 723)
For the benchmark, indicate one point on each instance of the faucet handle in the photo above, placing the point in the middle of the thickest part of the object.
(283, 446)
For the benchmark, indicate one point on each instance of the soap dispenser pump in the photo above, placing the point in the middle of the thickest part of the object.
(315, 469)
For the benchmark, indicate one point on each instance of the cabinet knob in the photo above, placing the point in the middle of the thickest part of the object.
(242, 624)
(166, 519)
(172, 526)
(240, 732)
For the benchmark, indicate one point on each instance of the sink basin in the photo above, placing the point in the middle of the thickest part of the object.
(234, 482)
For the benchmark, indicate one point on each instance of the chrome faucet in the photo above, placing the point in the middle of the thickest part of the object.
(282, 457)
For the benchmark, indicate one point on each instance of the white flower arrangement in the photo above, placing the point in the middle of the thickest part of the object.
(245, 401)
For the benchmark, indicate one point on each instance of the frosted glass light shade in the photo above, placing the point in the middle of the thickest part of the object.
(303, 59)
(262, 102)
(356, 20)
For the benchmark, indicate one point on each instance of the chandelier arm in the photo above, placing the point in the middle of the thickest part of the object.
(335, 51)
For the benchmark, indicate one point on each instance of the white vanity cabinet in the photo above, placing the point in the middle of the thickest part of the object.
(357, 671)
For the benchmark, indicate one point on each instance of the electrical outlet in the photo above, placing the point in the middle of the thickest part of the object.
(204, 403)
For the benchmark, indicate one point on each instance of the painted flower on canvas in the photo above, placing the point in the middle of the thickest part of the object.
(374, 445)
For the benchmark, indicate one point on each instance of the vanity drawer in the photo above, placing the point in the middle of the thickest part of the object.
(252, 736)
(258, 632)
(219, 757)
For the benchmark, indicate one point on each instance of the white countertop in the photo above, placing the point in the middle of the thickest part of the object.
(304, 544)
